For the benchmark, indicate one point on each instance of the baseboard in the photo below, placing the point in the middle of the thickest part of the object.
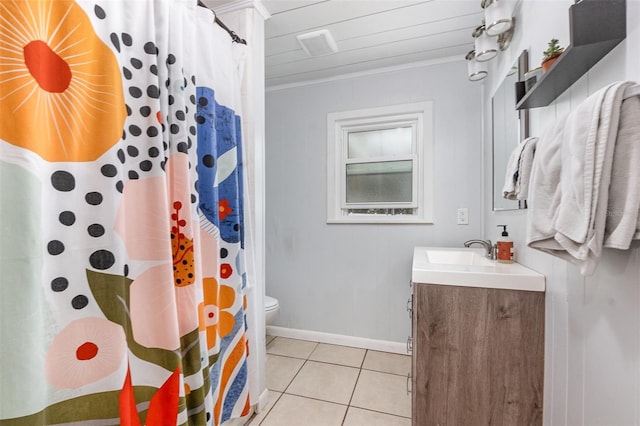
(263, 400)
(338, 339)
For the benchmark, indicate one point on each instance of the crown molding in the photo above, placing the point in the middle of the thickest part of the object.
(356, 74)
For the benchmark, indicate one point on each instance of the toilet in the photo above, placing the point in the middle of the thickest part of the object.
(271, 308)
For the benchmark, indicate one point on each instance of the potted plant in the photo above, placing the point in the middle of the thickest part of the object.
(551, 54)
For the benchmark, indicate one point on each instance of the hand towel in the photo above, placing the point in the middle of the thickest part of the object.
(524, 168)
(511, 175)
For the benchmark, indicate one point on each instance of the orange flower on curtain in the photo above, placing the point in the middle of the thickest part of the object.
(58, 82)
(214, 319)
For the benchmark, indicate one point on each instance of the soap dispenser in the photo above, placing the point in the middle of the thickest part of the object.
(504, 246)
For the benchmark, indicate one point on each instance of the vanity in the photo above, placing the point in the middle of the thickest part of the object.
(477, 340)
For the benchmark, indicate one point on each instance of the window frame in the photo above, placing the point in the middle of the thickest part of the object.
(420, 117)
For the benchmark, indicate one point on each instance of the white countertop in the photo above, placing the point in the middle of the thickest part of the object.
(468, 267)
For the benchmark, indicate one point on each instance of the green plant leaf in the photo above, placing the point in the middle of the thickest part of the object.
(112, 294)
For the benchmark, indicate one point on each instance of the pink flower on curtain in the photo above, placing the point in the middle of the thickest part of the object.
(85, 351)
(163, 232)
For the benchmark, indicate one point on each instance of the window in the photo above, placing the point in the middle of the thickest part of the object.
(379, 165)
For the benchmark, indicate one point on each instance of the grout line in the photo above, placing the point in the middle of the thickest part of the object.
(380, 412)
(386, 372)
(354, 388)
(294, 376)
(366, 352)
(271, 408)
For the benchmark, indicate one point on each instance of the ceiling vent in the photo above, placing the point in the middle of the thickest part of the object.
(318, 43)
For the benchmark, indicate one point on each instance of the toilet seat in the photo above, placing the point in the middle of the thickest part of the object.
(270, 304)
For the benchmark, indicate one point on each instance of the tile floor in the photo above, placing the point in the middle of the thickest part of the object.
(316, 384)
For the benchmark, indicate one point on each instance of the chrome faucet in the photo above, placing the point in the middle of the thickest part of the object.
(490, 249)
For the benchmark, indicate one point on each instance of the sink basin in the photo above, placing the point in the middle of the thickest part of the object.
(468, 267)
(457, 257)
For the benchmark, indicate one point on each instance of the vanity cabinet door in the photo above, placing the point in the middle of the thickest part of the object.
(478, 356)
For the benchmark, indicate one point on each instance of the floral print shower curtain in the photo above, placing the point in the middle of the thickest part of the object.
(121, 215)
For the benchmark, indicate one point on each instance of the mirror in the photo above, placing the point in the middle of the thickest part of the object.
(509, 127)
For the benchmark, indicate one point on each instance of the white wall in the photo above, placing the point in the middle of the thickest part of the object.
(354, 279)
(592, 361)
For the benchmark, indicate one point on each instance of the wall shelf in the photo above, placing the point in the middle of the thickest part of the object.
(596, 27)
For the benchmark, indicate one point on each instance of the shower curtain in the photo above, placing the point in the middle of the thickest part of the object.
(121, 215)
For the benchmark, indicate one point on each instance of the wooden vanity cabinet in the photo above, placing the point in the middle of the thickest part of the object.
(478, 356)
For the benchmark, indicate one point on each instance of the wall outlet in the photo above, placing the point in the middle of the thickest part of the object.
(463, 216)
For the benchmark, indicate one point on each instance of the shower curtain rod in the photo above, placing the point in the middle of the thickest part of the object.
(235, 37)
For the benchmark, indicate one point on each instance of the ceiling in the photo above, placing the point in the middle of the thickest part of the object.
(370, 34)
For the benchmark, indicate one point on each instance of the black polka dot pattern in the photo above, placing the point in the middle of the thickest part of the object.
(150, 48)
(135, 92)
(224, 253)
(80, 301)
(126, 39)
(99, 12)
(109, 170)
(59, 284)
(55, 247)
(136, 63)
(63, 181)
(102, 259)
(132, 151)
(93, 198)
(96, 230)
(115, 41)
(67, 218)
(153, 91)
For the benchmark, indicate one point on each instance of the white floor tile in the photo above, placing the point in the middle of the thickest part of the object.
(382, 392)
(359, 417)
(387, 362)
(280, 371)
(291, 410)
(341, 355)
(291, 347)
(328, 382)
(268, 338)
(273, 397)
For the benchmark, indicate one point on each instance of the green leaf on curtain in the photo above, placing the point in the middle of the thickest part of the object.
(190, 345)
(103, 405)
(112, 294)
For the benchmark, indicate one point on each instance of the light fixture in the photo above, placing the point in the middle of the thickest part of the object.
(475, 70)
(497, 16)
(486, 47)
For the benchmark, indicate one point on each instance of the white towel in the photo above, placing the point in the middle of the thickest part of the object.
(623, 212)
(511, 174)
(571, 176)
(524, 168)
(544, 190)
